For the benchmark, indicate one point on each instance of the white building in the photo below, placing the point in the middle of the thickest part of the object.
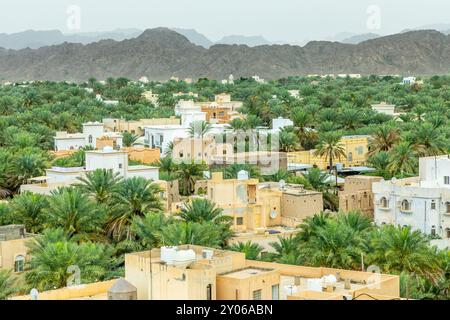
(161, 136)
(383, 107)
(409, 80)
(280, 123)
(91, 132)
(108, 158)
(421, 202)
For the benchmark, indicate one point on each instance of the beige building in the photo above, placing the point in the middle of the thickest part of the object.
(199, 149)
(190, 272)
(268, 162)
(136, 126)
(356, 150)
(255, 205)
(357, 194)
(13, 249)
(143, 154)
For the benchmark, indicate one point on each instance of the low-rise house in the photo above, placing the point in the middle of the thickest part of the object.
(150, 96)
(268, 162)
(422, 202)
(114, 160)
(255, 205)
(143, 154)
(190, 272)
(13, 249)
(199, 149)
(92, 133)
(357, 194)
(356, 149)
(136, 126)
(383, 107)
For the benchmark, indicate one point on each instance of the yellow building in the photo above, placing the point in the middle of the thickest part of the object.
(358, 195)
(143, 154)
(13, 249)
(199, 149)
(136, 126)
(356, 149)
(190, 272)
(255, 205)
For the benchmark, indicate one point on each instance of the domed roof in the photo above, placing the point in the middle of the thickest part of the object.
(122, 286)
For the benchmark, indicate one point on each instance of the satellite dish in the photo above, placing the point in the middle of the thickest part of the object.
(282, 184)
(34, 294)
(273, 214)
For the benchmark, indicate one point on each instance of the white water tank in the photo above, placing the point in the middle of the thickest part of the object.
(168, 254)
(183, 257)
(329, 280)
(243, 175)
(108, 149)
(315, 285)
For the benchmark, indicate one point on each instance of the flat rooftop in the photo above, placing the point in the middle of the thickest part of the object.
(246, 273)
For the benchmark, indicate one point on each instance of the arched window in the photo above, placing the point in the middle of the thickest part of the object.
(90, 138)
(384, 202)
(406, 205)
(19, 263)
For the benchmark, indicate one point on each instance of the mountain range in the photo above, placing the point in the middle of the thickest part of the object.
(161, 53)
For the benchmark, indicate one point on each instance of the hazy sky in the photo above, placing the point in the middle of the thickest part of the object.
(290, 20)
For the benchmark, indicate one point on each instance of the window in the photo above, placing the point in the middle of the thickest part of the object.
(446, 179)
(120, 166)
(90, 138)
(433, 205)
(209, 292)
(406, 205)
(447, 207)
(433, 230)
(447, 231)
(350, 156)
(19, 263)
(181, 154)
(360, 150)
(239, 221)
(384, 202)
(257, 294)
(275, 292)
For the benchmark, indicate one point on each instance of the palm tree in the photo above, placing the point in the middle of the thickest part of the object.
(26, 166)
(384, 138)
(198, 129)
(168, 166)
(232, 170)
(350, 118)
(330, 147)
(355, 220)
(28, 209)
(287, 250)
(134, 197)
(201, 210)
(402, 159)
(73, 211)
(7, 284)
(188, 174)
(380, 162)
(129, 139)
(430, 141)
(203, 234)
(400, 249)
(149, 227)
(288, 141)
(55, 258)
(334, 245)
(310, 225)
(100, 184)
(251, 250)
